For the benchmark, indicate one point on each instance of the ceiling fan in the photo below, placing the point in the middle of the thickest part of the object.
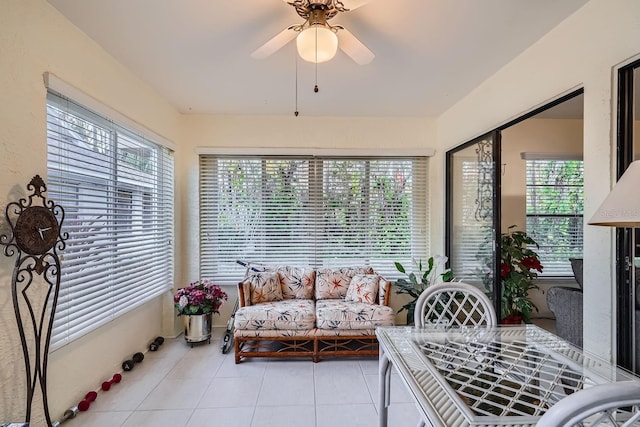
(317, 40)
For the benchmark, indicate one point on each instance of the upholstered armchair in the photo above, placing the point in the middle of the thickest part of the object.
(566, 304)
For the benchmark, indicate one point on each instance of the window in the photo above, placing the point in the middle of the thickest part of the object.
(472, 253)
(117, 191)
(555, 201)
(311, 211)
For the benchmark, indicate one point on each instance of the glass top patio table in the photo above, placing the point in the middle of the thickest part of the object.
(479, 376)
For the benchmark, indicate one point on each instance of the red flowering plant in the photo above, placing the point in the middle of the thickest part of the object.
(519, 267)
(200, 297)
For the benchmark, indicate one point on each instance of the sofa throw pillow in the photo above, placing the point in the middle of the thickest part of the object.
(297, 282)
(265, 287)
(363, 288)
(332, 283)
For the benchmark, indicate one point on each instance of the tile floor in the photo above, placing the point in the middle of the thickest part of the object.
(180, 386)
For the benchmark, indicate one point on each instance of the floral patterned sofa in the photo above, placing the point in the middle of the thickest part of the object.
(300, 312)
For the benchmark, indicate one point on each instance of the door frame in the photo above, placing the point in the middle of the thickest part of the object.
(495, 136)
(497, 286)
(625, 294)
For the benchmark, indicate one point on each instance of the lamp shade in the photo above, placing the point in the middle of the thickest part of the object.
(317, 44)
(621, 208)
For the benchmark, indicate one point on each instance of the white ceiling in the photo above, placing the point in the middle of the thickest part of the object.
(429, 53)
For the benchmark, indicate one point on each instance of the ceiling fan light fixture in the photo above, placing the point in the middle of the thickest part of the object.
(317, 43)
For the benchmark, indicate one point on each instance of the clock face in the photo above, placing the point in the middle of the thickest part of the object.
(36, 230)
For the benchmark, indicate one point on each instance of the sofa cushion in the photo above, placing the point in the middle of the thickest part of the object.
(332, 283)
(294, 314)
(297, 282)
(363, 288)
(264, 286)
(340, 314)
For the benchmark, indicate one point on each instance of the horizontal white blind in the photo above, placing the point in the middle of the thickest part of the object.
(116, 188)
(555, 202)
(311, 211)
(472, 256)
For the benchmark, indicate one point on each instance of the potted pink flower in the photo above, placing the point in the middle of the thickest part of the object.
(197, 302)
(201, 297)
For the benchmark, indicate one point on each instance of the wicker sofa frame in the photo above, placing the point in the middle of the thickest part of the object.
(308, 343)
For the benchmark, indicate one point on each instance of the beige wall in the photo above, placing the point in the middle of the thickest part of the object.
(583, 51)
(535, 136)
(366, 135)
(35, 39)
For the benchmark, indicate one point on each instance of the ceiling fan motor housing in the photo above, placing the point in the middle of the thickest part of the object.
(328, 8)
(317, 17)
(316, 39)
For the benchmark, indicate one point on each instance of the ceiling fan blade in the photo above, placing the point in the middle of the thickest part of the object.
(354, 47)
(276, 43)
(354, 4)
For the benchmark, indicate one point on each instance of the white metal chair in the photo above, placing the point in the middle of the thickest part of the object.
(453, 304)
(614, 404)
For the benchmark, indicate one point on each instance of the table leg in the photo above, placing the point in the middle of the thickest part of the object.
(384, 389)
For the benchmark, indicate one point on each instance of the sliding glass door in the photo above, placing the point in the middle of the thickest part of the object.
(628, 240)
(473, 207)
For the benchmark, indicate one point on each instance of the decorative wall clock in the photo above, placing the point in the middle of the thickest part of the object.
(36, 230)
(35, 241)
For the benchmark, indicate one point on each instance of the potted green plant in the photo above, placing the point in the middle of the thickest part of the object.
(434, 271)
(519, 267)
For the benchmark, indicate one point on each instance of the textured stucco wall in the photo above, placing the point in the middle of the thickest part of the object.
(34, 39)
(535, 136)
(366, 135)
(583, 51)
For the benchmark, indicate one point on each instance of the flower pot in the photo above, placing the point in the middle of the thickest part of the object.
(512, 319)
(197, 327)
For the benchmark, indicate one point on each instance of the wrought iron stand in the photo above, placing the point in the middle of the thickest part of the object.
(37, 264)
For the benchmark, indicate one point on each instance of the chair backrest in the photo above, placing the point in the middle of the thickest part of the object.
(614, 404)
(454, 304)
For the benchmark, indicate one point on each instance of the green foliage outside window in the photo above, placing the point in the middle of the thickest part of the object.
(352, 210)
(555, 203)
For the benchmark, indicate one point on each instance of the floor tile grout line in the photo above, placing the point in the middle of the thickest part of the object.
(315, 396)
(361, 368)
(255, 406)
(364, 378)
(160, 380)
(174, 364)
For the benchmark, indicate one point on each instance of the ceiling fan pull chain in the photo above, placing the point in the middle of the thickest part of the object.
(295, 113)
(315, 88)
